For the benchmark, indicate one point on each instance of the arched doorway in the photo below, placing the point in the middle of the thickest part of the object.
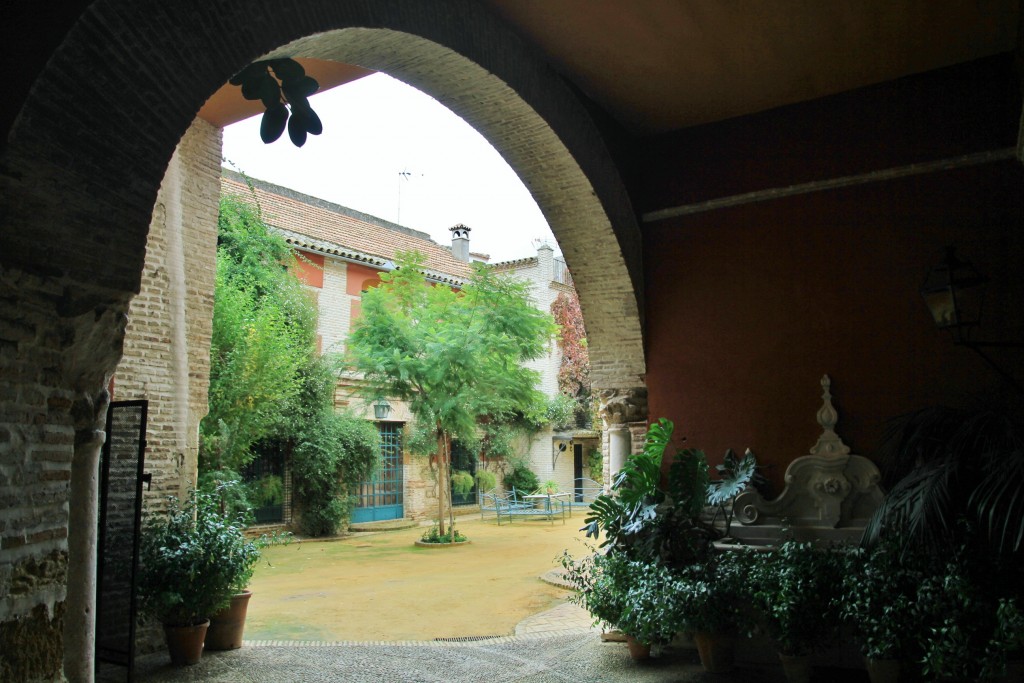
(80, 184)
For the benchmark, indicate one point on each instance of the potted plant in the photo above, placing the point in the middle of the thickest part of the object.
(877, 600)
(714, 605)
(549, 487)
(227, 626)
(191, 559)
(637, 597)
(485, 480)
(793, 593)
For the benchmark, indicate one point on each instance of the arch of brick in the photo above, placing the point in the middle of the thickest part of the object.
(78, 181)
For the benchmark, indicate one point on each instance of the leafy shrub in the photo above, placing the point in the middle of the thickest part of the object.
(486, 480)
(338, 451)
(193, 560)
(462, 482)
(521, 478)
(435, 536)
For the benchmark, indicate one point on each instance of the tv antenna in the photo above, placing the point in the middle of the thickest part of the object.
(403, 175)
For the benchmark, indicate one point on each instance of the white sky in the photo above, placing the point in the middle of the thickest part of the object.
(375, 129)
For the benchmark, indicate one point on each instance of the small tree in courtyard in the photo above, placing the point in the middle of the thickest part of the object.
(456, 357)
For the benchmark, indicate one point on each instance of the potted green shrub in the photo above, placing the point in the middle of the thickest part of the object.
(714, 605)
(637, 597)
(877, 600)
(793, 586)
(191, 559)
(485, 480)
(549, 487)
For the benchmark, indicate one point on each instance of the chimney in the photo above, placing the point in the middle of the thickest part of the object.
(460, 242)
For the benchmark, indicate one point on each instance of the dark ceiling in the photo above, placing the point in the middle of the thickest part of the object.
(660, 65)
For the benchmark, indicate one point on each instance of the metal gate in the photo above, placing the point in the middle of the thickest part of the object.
(381, 497)
(120, 516)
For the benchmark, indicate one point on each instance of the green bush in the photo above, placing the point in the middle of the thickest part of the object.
(336, 453)
(462, 482)
(486, 480)
(521, 478)
(193, 560)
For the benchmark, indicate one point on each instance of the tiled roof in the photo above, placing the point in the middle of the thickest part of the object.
(319, 225)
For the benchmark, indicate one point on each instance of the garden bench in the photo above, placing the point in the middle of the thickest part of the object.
(519, 506)
(585, 493)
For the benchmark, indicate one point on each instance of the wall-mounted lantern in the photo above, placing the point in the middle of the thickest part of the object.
(381, 409)
(954, 292)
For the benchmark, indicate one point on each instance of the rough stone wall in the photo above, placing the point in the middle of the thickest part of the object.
(49, 355)
(167, 341)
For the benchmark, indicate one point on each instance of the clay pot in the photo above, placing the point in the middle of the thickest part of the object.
(227, 626)
(716, 650)
(796, 667)
(883, 670)
(637, 650)
(185, 643)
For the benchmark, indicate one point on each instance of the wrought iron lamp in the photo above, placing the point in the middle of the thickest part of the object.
(381, 409)
(954, 292)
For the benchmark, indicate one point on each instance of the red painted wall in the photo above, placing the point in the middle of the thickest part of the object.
(748, 307)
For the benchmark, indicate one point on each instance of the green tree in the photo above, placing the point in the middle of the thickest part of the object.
(270, 391)
(264, 328)
(456, 357)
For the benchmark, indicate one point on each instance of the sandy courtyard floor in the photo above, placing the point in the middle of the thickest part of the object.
(381, 586)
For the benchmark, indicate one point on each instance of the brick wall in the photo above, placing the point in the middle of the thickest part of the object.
(167, 341)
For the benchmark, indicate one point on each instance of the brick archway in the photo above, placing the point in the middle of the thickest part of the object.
(90, 148)
(131, 100)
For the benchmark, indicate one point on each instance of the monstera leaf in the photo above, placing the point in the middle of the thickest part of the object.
(735, 474)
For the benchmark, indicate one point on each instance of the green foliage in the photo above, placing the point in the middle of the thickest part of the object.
(734, 475)
(715, 594)
(877, 598)
(640, 518)
(521, 478)
(945, 464)
(595, 463)
(561, 411)
(338, 451)
(454, 356)
(268, 490)
(284, 88)
(462, 482)
(549, 486)
(434, 535)
(793, 586)
(638, 597)
(264, 331)
(193, 560)
(486, 480)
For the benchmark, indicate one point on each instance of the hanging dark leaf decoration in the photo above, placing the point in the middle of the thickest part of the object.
(284, 88)
(274, 120)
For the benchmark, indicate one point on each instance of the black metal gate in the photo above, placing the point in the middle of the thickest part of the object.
(120, 516)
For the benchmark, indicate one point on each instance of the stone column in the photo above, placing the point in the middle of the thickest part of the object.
(619, 409)
(80, 617)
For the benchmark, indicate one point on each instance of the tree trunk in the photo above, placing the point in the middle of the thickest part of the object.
(440, 479)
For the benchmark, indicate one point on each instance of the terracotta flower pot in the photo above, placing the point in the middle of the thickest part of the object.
(185, 643)
(883, 670)
(227, 626)
(716, 650)
(796, 667)
(637, 650)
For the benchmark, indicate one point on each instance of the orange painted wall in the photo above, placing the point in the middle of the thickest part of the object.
(310, 268)
(359, 277)
(748, 307)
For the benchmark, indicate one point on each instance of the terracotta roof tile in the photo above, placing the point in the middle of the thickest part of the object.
(342, 228)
